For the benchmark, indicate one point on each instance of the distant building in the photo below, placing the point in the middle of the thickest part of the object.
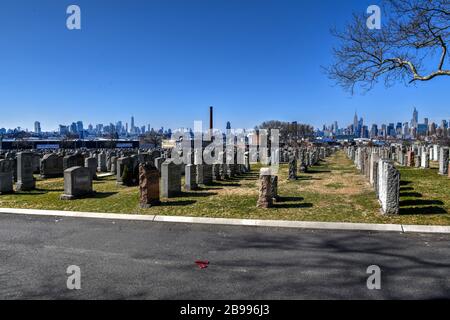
(37, 127)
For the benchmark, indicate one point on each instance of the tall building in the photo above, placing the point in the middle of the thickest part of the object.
(37, 127)
(132, 129)
(80, 126)
(355, 123)
(415, 118)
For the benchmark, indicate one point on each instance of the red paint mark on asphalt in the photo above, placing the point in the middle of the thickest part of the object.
(202, 264)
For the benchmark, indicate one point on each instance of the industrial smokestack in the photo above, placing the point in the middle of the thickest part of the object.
(211, 118)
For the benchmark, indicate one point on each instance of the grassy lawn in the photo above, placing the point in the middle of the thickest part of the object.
(332, 191)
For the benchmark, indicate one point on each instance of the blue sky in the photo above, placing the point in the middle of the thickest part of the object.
(166, 61)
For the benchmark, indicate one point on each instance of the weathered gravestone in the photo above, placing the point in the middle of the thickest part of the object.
(77, 183)
(74, 160)
(190, 177)
(52, 166)
(265, 199)
(124, 171)
(170, 179)
(388, 187)
(6, 182)
(92, 164)
(292, 168)
(274, 188)
(148, 185)
(443, 161)
(113, 165)
(102, 162)
(25, 178)
(204, 174)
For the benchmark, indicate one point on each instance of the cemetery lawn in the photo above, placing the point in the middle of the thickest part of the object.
(331, 191)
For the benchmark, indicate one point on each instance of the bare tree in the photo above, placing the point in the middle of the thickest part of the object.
(403, 50)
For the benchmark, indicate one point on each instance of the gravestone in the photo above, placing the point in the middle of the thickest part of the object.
(102, 167)
(389, 187)
(265, 199)
(425, 160)
(274, 188)
(25, 178)
(6, 182)
(51, 166)
(124, 164)
(91, 164)
(204, 174)
(170, 179)
(443, 161)
(74, 160)
(292, 168)
(148, 185)
(77, 183)
(190, 177)
(113, 165)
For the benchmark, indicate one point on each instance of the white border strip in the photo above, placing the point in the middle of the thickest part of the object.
(93, 215)
(237, 222)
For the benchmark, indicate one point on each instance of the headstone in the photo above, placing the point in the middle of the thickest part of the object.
(124, 164)
(389, 187)
(91, 164)
(25, 178)
(113, 165)
(6, 182)
(77, 183)
(74, 160)
(274, 188)
(102, 162)
(425, 160)
(265, 199)
(443, 161)
(292, 168)
(190, 177)
(204, 174)
(170, 179)
(148, 185)
(52, 166)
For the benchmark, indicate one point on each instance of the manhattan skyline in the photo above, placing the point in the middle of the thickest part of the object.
(165, 64)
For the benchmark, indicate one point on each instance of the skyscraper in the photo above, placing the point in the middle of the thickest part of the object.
(355, 123)
(37, 127)
(132, 125)
(415, 118)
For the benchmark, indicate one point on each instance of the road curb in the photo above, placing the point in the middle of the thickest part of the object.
(238, 222)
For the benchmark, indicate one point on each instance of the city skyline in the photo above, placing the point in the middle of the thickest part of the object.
(166, 66)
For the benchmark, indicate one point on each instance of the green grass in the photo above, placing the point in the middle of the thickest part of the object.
(332, 191)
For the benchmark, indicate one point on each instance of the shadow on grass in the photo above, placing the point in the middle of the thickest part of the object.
(292, 205)
(405, 183)
(102, 195)
(225, 184)
(307, 178)
(318, 171)
(178, 203)
(289, 199)
(422, 210)
(406, 189)
(418, 202)
(44, 191)
(410, 194)
(197, 194)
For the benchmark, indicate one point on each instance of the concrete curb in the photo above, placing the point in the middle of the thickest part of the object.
(237, 222)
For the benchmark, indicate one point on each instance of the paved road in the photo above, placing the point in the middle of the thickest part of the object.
(134, 260)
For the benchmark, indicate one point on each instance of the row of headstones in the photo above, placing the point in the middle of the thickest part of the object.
(22, 166)
(378, 168)
(268, 182)
(419, 157)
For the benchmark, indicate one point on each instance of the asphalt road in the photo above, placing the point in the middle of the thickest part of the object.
(145, 260)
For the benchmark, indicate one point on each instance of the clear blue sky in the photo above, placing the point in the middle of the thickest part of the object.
(166, 61)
